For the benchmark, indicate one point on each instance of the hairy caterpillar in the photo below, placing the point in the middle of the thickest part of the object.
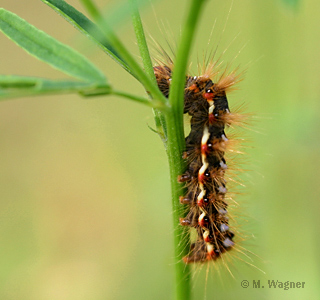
(206, 102)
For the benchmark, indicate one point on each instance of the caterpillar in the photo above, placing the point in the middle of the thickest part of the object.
(206, 102)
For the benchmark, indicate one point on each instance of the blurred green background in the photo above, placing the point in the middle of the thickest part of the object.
(85, 209)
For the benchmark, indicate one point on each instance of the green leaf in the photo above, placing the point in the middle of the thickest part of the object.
(12, 86)
(48, 49)
(87, 27)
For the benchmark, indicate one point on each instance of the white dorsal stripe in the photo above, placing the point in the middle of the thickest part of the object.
(204, 167)
(204, 141)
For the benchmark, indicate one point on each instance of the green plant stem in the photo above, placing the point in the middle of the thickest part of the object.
(176, 145)
(181, 63)
(147, 64)
(181, 236)
(141, 40)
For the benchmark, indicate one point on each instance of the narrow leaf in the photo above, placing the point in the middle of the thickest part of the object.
(12, 86)
(87, 27)
(48, 49)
